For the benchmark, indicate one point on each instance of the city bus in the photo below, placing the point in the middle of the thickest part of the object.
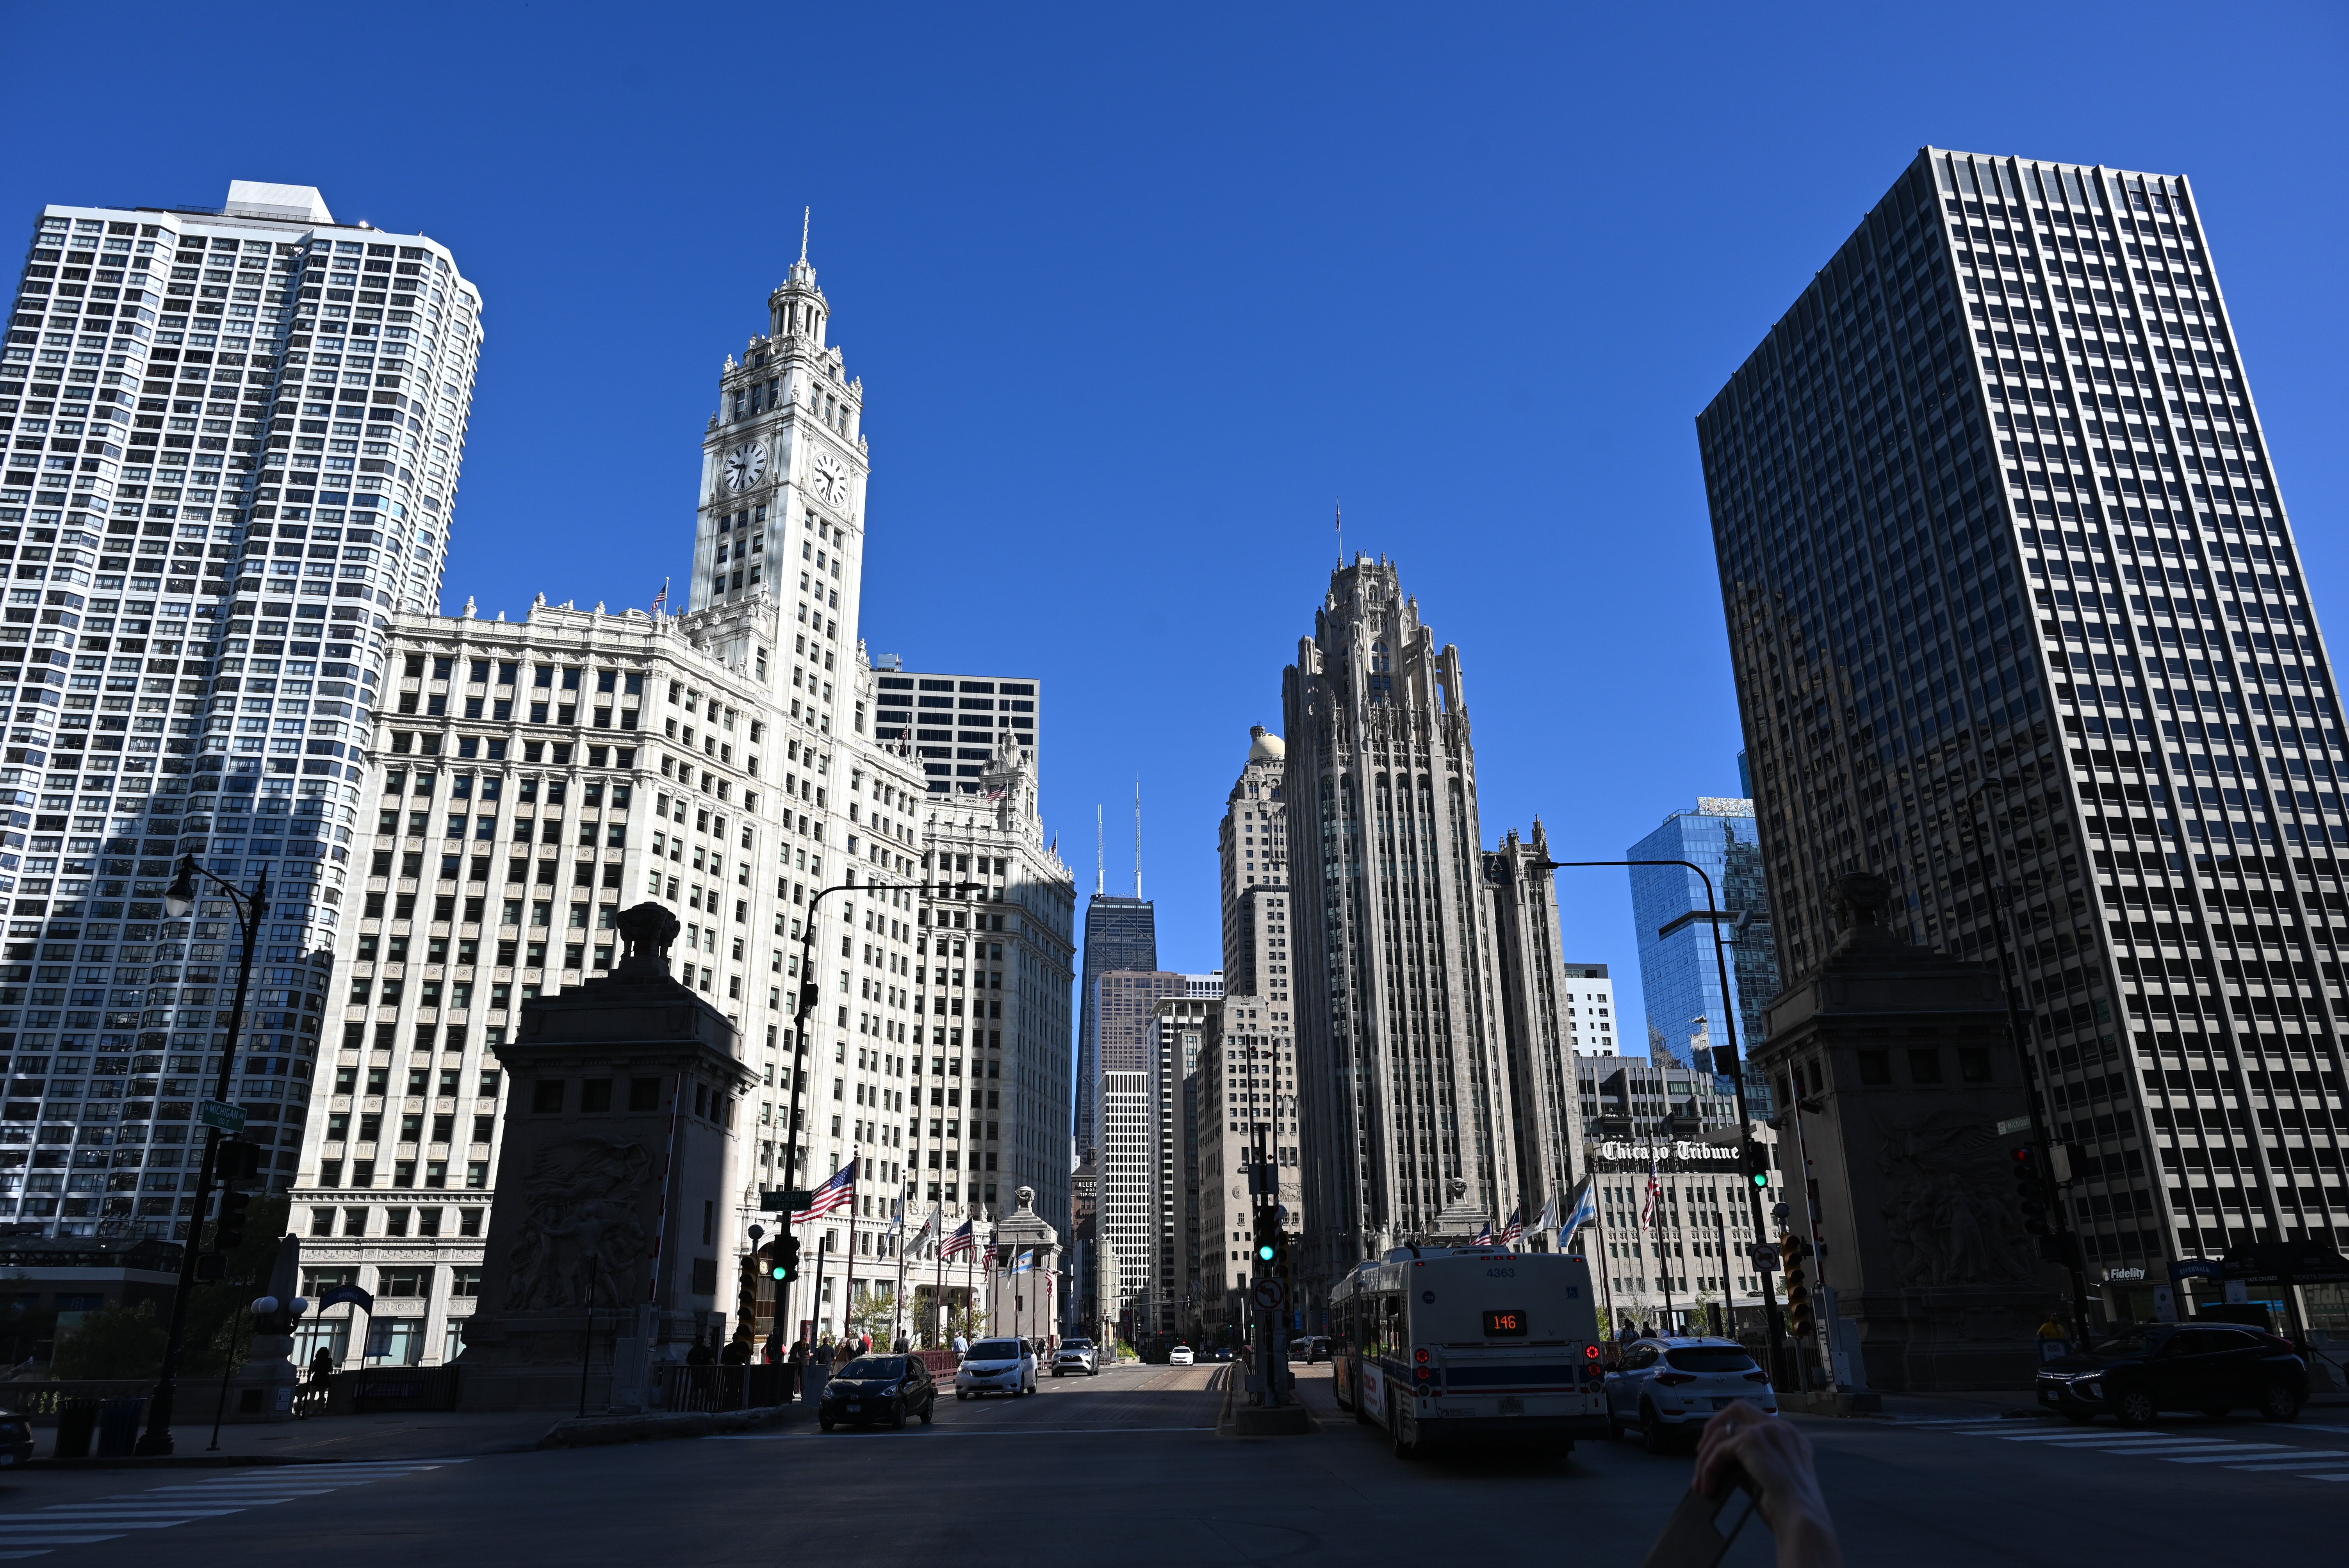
(1436, 1345)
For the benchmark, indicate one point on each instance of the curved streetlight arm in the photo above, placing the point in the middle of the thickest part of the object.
(1737, 1076)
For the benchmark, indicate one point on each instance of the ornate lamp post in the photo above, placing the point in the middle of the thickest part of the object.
(179, 902)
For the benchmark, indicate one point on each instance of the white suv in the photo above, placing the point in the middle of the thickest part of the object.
(995, 1366)
(1076, 1356)
(1669, 1388)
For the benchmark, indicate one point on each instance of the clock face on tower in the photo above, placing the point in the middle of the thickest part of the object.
(745, 465)
(830, 480)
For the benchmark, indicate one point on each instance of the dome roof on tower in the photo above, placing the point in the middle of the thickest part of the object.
(1267, 746)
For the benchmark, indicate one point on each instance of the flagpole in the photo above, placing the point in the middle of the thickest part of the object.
(897, 1296)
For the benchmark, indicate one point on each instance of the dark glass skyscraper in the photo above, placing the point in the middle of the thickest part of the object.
(1119, 934)
(2017, 620)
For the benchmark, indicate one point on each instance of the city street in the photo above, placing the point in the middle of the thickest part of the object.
(1128, 1468)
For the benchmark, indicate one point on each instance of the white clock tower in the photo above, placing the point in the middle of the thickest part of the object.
(783, 487)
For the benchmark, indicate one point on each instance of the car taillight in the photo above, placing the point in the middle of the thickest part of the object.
(1672, 1379)
(1758, 1377)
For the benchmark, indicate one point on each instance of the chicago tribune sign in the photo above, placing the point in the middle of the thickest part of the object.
(1665, 1153)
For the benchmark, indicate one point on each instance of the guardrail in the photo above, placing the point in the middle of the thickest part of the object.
(752, 1386)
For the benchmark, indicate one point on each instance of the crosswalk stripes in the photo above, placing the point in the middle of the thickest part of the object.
(2173, 1448)
(43, 1530)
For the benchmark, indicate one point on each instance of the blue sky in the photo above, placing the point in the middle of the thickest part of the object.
(1137, 293)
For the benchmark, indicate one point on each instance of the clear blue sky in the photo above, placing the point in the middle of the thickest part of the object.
(1135, 294)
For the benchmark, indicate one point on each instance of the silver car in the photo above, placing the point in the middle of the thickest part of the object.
(995, 1366)
(1076, 1356)
(1668, 1388)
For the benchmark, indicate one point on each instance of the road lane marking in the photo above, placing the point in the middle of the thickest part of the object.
(163, 1507)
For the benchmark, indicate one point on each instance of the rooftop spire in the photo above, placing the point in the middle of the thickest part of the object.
(806, 214)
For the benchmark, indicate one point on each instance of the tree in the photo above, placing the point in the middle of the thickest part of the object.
(971, 1322)
(875, 1314)
(112, 1342)
(214, 1334)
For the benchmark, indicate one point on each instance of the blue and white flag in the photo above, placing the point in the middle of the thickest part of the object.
(1584, 1212)
(1026, 1262)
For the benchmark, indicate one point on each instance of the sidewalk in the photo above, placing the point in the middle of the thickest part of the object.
(330, 1440)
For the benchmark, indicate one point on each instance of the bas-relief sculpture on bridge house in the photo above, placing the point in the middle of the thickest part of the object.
(1906, 1053)
(619, 1114)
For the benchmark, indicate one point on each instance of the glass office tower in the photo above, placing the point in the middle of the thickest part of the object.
(2018, 621)
(1679, 976)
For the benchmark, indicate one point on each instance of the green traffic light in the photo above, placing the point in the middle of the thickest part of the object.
(1761, 1179)
(1264, 1252)
(782, 1273)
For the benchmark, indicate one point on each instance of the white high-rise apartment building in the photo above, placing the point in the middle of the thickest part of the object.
(1590, 1009)
(537, 777)
(233, 443)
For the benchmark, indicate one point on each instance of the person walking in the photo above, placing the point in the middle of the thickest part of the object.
(799, 1360)
(961, 1345)
(819, 1369)
(322, 1365)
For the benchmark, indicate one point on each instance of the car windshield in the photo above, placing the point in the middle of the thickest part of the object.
(1709, 1358)
(1076, 1345)
(2137, 1341)
(996, 1350)
(873, 1366)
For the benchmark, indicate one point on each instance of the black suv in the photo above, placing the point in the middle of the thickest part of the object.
(2209, 1366)
(891, 1388)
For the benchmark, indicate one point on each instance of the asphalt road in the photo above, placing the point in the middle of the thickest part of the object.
(1128, 1470)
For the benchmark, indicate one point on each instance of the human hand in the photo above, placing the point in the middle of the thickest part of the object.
(1778, 1459)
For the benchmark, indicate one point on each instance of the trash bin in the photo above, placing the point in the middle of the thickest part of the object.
(118, 1428)
(77, 1420)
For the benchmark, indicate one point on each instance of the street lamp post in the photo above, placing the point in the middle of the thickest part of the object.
(179, 901)
(1750, 1160)
(810, 992)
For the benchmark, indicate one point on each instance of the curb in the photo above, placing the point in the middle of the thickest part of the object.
(598, 1431)
(175, 1462)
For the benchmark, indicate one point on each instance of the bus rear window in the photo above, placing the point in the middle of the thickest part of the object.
(1709, 1358)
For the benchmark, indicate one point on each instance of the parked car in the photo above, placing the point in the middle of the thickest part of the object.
(2213, 1368)
(892, 1389)
(1181, 1355)
(995, 1366)
(1077, 1355)
(16, 1439)
(1668, 1388)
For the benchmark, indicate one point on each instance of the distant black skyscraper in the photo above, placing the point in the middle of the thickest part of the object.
(1119, 934)
(1999, 544)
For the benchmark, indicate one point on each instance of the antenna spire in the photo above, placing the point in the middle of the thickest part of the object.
(1137, 838)
(1100, 861)
(1340, 510)
(806, 214)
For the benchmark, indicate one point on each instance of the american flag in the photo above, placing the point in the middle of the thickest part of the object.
(962, 1240)
(662, 598)
(1655, 1196)
(1515, 1230)
(836, 1194)
(1484, 1236)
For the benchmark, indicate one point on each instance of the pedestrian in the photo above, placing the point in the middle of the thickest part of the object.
(819, 1368)
(2053, 1341)
(702, 1354)
(961, 1345)
(904, 1346)
(737, 1352)
(322, 1365)
(772, 1353)
(799, 1360)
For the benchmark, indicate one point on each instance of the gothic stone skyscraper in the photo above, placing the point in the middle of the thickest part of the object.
(1400, 1048)
(1999, 546)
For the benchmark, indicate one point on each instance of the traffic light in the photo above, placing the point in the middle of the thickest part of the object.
(1268, 1242)
(2030, 1189)
(228, 1229)
(1801, 1322)
(1277, 1262)
(237, 1163)
(1756, 1161)
(785, 1267)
